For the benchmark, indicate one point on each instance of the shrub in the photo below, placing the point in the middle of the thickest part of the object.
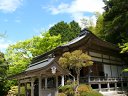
(91, 93)
(14, 91)
(84, 88)
(81, 90)
(67, 89)
(61, 94)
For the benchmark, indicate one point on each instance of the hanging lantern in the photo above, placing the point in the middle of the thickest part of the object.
(53, 68)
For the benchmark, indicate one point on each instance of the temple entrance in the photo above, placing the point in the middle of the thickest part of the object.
(36, 88)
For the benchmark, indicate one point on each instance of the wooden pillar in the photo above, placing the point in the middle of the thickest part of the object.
(89, 78)
(46, 86)
(25, 85)
(40, 83)
(108, 86)
(56, 81)
(122, 85)
(18, 87)
(115, 86)
(62, 80)
(32, 87)
(99, 86)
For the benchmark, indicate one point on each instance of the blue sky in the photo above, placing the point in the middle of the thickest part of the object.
(23, 19)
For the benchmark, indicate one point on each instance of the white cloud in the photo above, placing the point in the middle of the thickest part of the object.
(86, 6)
(78, 8)
(4, 44)
(9, 5)
(62, 8)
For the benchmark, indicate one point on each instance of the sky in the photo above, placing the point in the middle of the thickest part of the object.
(23, 19)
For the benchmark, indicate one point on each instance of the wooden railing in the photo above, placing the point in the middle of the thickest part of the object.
(102, 79)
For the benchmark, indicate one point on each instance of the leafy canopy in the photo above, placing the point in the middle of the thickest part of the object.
(20, 54)
(116, 21)
(67, 31)
(75, 60)
(3, 75)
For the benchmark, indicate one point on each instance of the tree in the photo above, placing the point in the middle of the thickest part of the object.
(20, 54)
(74, 30)
(99, 26)
(75, 60)
(116, 21)
(3, 75)
(67, 31)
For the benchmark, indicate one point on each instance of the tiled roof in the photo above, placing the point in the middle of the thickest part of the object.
(40, 64)
(74, 40)
(77, 39)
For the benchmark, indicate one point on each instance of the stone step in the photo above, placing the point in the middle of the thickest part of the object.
(113, 93)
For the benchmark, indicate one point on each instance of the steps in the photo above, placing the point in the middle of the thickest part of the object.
(113, 93)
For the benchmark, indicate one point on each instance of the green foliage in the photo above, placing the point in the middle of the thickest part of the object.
(74, 30)
(86, 90)
(116, 21)
(99, 26)
(75, 60)
(81, 90)
(3, 75)
(20, 54)
(14, 91)
(67, 31)
(67, 89)
(124, 47)
(61, 94)
(44, 44)
(92, 93)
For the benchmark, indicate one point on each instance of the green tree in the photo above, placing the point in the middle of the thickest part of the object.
(99, 26)
(116, 21)
(124, 47)
(75, 60)
(3, 75)
(74, 30)
(20, 54)
(67, 31)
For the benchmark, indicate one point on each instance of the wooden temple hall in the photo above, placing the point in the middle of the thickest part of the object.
(44, 75)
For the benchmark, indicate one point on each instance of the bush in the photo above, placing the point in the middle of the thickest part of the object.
(84, 88)
(81, 90)
(14, 91)
(91, 93)
(67, 89)
(61, 94)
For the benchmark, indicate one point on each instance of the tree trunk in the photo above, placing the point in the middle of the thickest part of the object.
(78, 76)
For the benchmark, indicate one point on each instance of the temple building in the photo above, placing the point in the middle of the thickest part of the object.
(45, 75)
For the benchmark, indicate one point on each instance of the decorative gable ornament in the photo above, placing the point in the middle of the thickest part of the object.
(53, 68)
